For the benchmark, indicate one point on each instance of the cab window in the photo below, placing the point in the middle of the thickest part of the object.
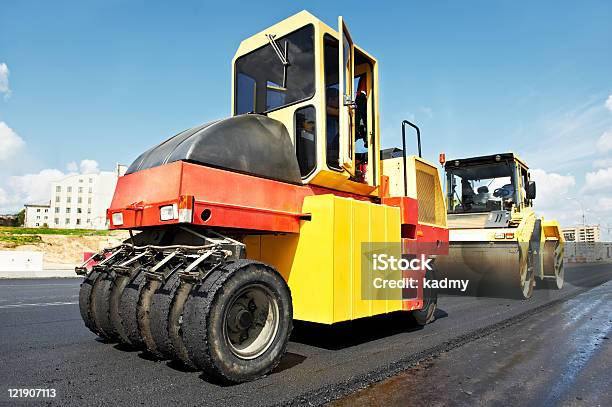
(524, 183)
(305, 139)
(332, 100)
(245, 87)
(265, 83)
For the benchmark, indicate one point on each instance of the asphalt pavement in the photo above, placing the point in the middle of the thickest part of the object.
(44, 344)
(558, 357)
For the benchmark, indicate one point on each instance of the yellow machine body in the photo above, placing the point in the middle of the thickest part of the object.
(322, 264)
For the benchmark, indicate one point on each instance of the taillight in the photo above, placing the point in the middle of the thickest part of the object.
(117, 219)
(168, 212)
(185, 208)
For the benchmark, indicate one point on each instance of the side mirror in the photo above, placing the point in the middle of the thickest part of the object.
(531, 190)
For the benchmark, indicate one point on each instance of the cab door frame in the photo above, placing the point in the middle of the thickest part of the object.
(346, 60)
(336, 176)
(371, 75)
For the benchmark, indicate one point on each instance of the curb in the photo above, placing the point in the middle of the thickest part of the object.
(55, 271)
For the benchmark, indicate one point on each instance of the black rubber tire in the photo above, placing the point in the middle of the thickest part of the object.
(120, 283)
(143, 315)
(85, 301)
(159, 316)
(175, 326)
(128, 306)
(427, 314)
(203, 323)
(101, 294)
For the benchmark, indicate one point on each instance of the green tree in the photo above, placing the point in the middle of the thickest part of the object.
(21, 218)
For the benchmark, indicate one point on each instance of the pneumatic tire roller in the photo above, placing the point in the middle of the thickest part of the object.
(204, 307)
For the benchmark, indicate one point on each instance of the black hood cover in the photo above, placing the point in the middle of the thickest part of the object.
(251, 144)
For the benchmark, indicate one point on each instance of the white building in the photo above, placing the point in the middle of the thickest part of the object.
(583, 244)
(37, 215)
(586, 233)
(79, 201)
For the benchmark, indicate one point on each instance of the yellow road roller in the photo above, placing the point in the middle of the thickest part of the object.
(496, 239)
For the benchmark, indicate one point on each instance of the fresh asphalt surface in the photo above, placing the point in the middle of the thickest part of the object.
(558, 357)
(44, 344)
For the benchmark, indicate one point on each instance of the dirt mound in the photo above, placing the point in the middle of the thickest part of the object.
(66, 249)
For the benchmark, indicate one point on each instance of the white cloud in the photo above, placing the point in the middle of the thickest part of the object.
(72, 166)
(33, 188)
(3, 197)
(558, 198)
(609, 103)
(604, 204)
(89, 167)
(583, 120)
(598, 181)
(552, 188)
(604, 142)
(603, 163)
(10, 142)
(4, 79)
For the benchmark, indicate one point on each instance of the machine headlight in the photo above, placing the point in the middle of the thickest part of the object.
(501, 235)
(168, 212)
(117, 219)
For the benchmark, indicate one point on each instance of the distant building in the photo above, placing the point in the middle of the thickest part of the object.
(586, 233)
(80, 201)
(583, 244)
(37, 215)
(9, 220)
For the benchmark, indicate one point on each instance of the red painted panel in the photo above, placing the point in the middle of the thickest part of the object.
(157, 184)
(235, 200)
(432, 234)
(247, 218)
(409, 208)
(211, 185)
(429, 240)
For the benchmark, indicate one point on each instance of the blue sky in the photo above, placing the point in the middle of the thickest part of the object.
(106, 80)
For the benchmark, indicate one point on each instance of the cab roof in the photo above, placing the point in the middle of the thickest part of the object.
(483, 159)
(282, 28)
(279, 29)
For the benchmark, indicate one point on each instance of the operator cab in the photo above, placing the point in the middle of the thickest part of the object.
(487, 184)
(323, 88)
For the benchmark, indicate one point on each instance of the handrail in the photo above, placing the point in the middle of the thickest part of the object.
(418, 132)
